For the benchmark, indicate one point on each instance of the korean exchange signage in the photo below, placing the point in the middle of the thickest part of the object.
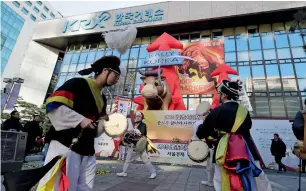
(121, 19)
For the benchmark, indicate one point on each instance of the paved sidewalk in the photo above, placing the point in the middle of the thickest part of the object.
(174, 178)
(169, 178)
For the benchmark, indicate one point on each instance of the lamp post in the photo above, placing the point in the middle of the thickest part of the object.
(9, 88)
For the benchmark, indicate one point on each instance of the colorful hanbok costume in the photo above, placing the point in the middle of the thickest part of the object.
(67, 107)
(235, 152)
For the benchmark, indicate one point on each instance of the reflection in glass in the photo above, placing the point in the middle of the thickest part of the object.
(302, 84)
(292, 105)
(91, 57)
(254, 42)
(262, 106)
(126, 54)
(116, 53)
(300, 69)
(273, 79)
(283, 53)
(83, 57)
(230, 57)
(269, 54)
(259, 81)
(298, 52)
(245, 75)
(267, 40)
(72, 68)
(277, 107)
(80, 67)
(256, 55)
(99, 54)
(287, 70)
(242, 43)
(295, 39)
(60, 81)
(229, 44)
(67, 58)
(134, 53)
(64, 68)
(143, 52)
(243, 56)
(281, 41)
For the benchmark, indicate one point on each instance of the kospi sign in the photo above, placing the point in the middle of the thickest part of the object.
(127, 18)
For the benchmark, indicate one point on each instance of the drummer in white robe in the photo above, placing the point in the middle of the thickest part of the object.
(203, 111)
(140, 128)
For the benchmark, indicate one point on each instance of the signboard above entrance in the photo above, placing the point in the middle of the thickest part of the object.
(121, 19)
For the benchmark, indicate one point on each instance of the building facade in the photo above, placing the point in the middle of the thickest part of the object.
(18, 22)
(269, 58)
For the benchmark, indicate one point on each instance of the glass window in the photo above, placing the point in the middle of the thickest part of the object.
(126, 54)
(242, 43)
(143, 52)
(28, 3)
(116, 53)
(292, 105)
(46, 9)
(36, 9)
(245, 75)
(300, 69)
(267, 40)
(262, 106)
(60, 81)
(39, 2)
(134, 53)
(91, 57)
(99, 54)
(43, 16)
(298, 52)
(287, 70)
(281, 41)
(75, 58)
(33, 17)
(25, 11)
(295, 39)
(80, 67)
(302, 84)
(230, 57)
(52, 15)
(16, 3)
(67, 58)
(72, 68)
(283, 53)
(64, 68)
(254, 41)
(259, 78)
(269, 54)
(273, 79)
(277, 107)
(243, 56)
(83, 57)
(229, 44)
(256, 55)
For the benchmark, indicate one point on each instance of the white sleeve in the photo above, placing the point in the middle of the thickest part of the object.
(64, 118)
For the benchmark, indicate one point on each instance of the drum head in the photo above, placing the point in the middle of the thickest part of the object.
(203, 107)
(141, 144)
(198, 151)
(116, 126)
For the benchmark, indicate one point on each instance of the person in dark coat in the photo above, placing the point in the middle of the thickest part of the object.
(13, 123)
(34, 132)
(278, 150)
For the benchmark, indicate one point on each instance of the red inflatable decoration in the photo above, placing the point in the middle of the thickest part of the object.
(222, 72)
(163, 43)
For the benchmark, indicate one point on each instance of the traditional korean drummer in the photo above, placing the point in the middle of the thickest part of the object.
(140, 128)
(75, 106)
(203, 110)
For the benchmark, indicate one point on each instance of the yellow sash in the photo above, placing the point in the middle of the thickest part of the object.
(223, 144)
(151, 148)
(50, 184)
